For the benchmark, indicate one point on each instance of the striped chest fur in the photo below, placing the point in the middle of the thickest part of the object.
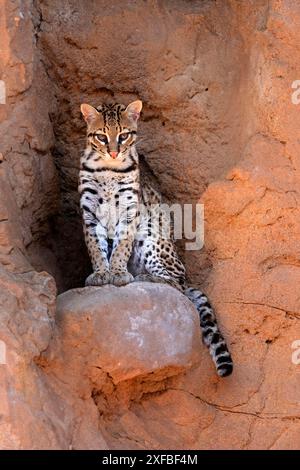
(107, 196)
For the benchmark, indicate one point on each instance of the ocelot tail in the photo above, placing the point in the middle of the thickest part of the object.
(111, 201)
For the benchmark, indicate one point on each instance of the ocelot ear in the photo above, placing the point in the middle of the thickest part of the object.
(89, 113)
(133, 110)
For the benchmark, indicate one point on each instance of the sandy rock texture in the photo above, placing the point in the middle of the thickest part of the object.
(220, 127)
(137, 330)
(115, 347)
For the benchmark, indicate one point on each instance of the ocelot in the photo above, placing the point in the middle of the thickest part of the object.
(111, 197)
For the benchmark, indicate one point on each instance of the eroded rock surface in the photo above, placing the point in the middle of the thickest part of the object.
(219, 126)
(127, 332)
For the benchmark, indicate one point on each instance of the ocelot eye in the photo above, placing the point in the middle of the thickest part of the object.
(124, 136)
(101, 138)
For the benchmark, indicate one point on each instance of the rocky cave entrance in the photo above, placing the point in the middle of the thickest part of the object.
(186, 64)
(218, 124)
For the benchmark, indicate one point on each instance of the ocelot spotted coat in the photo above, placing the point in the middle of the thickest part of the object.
(110, 178)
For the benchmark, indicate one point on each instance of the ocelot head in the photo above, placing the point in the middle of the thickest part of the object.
(111, 130)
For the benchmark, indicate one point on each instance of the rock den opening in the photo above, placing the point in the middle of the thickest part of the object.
(218, 127)
(172, 57)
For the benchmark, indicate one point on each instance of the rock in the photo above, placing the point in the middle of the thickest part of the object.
(137, 330)
(107, 344)
(27, 306)
(220, 126)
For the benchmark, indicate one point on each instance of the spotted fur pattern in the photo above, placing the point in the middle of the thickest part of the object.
(109, 177)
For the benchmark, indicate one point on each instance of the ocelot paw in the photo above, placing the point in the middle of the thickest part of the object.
(121, 278)
(97, 279)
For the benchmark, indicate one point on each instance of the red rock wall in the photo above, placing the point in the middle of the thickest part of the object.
(219, 127)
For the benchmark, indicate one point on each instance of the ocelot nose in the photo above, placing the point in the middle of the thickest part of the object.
(113, 154)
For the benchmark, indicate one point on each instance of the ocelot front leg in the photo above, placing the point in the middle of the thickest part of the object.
(123, 242)
(97, 248)
(95, 234)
